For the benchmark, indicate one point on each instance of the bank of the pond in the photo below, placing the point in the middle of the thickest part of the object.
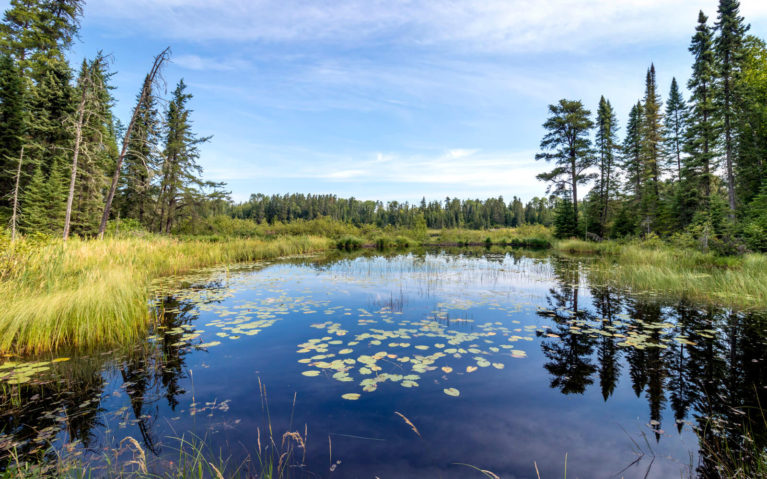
(83, 293)
(653, 266)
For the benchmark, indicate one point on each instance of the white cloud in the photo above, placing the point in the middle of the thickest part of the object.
(465, 170)
(488, 25)
(196, 62)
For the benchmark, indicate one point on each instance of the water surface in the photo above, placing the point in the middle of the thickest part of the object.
(408, 366)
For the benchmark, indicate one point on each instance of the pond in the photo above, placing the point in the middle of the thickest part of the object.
(412, 365)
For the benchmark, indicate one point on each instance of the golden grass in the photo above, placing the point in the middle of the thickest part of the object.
(85, 293)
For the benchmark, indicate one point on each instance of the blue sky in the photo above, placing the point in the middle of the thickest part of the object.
(394, 99)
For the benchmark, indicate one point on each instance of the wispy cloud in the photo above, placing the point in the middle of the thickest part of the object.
(489, 25)
(196, 62)
(459, 170)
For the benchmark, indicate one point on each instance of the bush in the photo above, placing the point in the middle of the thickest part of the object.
(383, 243)
(349, 243)
(755, 235)
(402, 242)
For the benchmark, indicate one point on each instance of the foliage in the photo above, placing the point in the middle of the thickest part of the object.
(567, 143)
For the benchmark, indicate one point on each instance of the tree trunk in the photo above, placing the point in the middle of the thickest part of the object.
(158, 61)
(575, 193)
(14, 216)
(73, 178)
(728, 144)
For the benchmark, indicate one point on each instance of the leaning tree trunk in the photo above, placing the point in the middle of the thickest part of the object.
(14, 216)
(158, 61)
(73, 178)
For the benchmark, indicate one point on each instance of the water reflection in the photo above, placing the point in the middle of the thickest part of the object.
(691, 366)
(708, 362)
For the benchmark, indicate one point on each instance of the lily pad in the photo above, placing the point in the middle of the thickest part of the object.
(452, 392)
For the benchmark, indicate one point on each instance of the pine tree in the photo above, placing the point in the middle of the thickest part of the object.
(729, 57)
(703, 128)
(675, 128)
(651, 150)
(632, 152)
(141, 163)
(99, 149)
(751, 121)
(12, 124)
(180, 183)
(567, 143)
(565, 221)
(42, 202)
(607, 151)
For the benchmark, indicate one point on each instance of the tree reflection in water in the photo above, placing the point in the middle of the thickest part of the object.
(707, 361)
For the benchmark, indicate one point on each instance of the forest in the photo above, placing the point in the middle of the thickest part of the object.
(640, 274)
(693, 169)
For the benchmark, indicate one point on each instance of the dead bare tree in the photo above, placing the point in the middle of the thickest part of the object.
(14, 216)
(158, 62)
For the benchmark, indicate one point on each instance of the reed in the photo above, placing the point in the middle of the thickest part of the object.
(738, 282)
(83, 293)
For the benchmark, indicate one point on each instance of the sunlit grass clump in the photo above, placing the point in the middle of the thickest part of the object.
(739, 282)
(84, 293)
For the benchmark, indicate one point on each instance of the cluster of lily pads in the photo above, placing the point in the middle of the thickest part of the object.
(631, 333)
(13, 372)
(413, 349)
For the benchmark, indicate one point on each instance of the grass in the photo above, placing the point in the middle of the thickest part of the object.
(84, 293)
(80, 293)
(739, 282)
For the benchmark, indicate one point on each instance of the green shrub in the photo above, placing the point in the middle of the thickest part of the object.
(349, 243)
(402, 242)
(383, 243)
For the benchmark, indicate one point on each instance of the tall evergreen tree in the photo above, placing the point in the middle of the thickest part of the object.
(703, 127)
(729, 57)
(651, 150)
(99, 150)
(751, 121)
(632, 152)
(180, 182)
(675, 127)
(141, 163)
(567, 143)
(12, 124)
(607, 150)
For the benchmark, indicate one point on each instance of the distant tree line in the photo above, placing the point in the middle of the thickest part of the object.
(450, 213)
(695, 167)
(62, 168)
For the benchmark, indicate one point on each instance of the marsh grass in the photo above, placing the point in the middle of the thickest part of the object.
(737, 282)
(85, 293)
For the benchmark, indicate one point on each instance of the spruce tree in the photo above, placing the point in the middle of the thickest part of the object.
(729, 57)
(675, 127)
(751, 121)
(180, 183)
(99, 150)
(141, 163)
(632, 152)
(651, 150)
(703, 128)
(607, 149)
(567, 143)
(12, 124)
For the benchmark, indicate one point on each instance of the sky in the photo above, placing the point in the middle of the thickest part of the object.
(394, 99)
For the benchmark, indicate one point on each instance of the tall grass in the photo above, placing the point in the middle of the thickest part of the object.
(84, 293)
(738, 282)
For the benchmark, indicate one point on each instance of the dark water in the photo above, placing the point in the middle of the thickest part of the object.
(499, 360)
